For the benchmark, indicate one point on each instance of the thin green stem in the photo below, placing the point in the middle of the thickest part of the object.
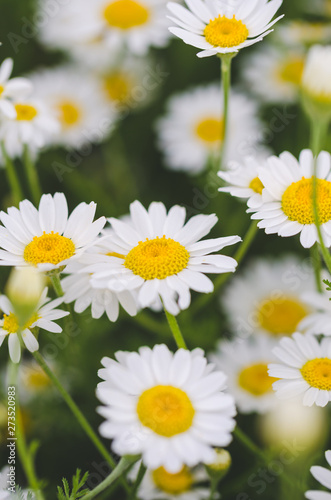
(137, 483)
(32, 176)
(12, 177)
(174, 327)
(119, 470)
(226, 60)
(213, 488)
(316, 260)
(56, 282)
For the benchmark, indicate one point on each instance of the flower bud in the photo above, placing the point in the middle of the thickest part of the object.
(219, 468)
(316, 83)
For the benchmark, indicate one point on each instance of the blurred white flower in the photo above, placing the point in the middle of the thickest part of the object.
(323, 476)
(11, 90)
(316, 78)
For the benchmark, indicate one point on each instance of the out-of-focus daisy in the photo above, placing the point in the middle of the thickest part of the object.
(193, 128)
(33, 380)
(83, 112)
(267, 297)
(287, 207)
(244, 182)
(46, 237)
(34, 125)
(160, 484)
(159, 255)
(11, 89)
(274, 73)
(246, 366)
(305, 369)
(299, 33)
(223, 27)
(43, 317)
(170, 408)
(319, 321)
(316, 79)
(323, 476)
(5, 494)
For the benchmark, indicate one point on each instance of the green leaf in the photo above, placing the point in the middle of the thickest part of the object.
(76, 491)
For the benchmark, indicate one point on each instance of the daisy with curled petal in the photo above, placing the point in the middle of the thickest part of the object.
(287, 207)
(160, 256)
(319, 321)
(323, 476)
(170, 408)
(11, 89)
(43, 317)
(46, 237)
(305, 369)
(223, 27)
(246, 366)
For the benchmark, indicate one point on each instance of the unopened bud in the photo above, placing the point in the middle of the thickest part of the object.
(316, 83)
(222, 464)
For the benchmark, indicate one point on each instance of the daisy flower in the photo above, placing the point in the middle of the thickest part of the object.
(193, 127)
(46, 237)
(244, 182)
(300, 33)
(246, 366)
(223, 27)
(11, 89)
(323, 476)
(43, 318)
(287, 207)
(319, 321)
(274, 73)
(266, 298)
(84, 114)
(305, 369)
(183, 485)
(160, 256)
(33, 380)
(317, 74)
(170, 408)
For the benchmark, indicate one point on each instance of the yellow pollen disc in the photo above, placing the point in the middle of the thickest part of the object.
(25, 112)
(292, 70)
(126, 14)
(69, 114)
(166, 410)
(297, 201)
(317, 373)
(2, 88)
(36, 379)
(117, 87)
(158, 258)
(10, 323)
(210, 130)
(281, 317)
(224, 32)
(256, 185)
(49, 248)
(174, 484)
(255, 379)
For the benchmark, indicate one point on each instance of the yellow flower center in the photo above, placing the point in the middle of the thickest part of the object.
(49, 248)
(292, 70)
(297, 201)
(255, 379)
(174, 484)
(210, 130)
(256, 185)
(25, 112)
(281, 316)
(11, 325)
(166, 410)
(157, 258)
(2, 88)
(224, 32)
(36, 379)
(317, 373)
(117, 87)
(126, 14)
(69, 114)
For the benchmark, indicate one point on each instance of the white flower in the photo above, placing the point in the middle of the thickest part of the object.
(191, 131)
(34, 126)
(223, 27)
(246, 366)
(170, 408)
(299, 33)
(5, 494)
(287, 207)
(267, 297)
(47, 237)
(274, 73)
(305, 369)
(158, 255)
(33, 381)
(244, 182)
(74, 96)
(323, 476)
(13, 89)
(316, 78)
(43, 318)
(319, 321)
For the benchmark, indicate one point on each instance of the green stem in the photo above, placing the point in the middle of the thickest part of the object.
(226, 60)
(32, 176)
(12, 177)
(316, 260)
(56, 282)
(119, 470)
(213, 488)
(140, 477)
(174, 327)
